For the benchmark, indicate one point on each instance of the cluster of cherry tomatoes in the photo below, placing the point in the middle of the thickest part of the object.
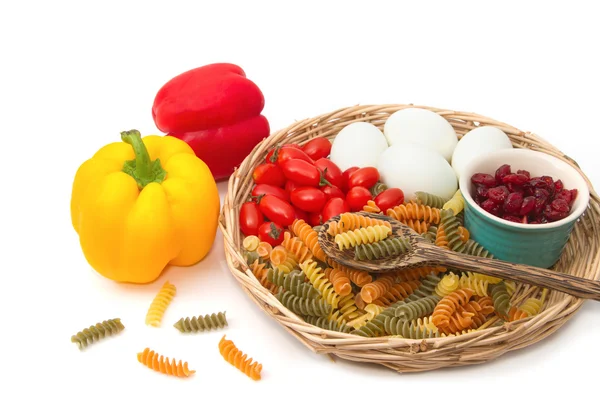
(301, 182)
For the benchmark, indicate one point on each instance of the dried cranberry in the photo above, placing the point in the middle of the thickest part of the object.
(560, 205)
(501, 172)
(517, 179)
(573, 196)
(512, 218)
(491, 207)
(524, 172)
(482, 191)
(541, 199)
(498, 194)
(536, 183)
(527, 206)
(564, 195)
(513, 202)
(553, 214)
(558, 186)
(513, 188)
(483, 179)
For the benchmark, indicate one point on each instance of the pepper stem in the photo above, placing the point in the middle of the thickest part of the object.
(141, 168)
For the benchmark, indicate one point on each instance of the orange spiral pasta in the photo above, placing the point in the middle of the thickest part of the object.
(441, 239)
(360, 303)
(260, 272)
(235, 357)
(371, 207)
(398, 291)
(288, 264)
(376, 289)
(264, 249)
(413, 274)
(340, 281)
(459, 320)
(448, 305)
(278, 255)
(416, 225)
(295, 246)
(464, 234)
(154, 361)
(487, 305)
(351, 221)
(359, 278)
(309, 237)
(413, 210)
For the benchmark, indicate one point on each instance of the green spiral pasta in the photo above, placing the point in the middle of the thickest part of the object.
(473, 248)
(378, 188)
(298, 305)
(293, 282)
(330, 325)
(431, 233)
(450, 224)
(431, 200)
(201, 323)
(418, 308)
(460, 217)
(501, 298)
(96, 332)
(427, 288)
(251, 256)
(409, 329)
(385, 248)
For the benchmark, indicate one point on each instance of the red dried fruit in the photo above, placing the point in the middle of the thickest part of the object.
(501, 172)
(482, 191)
(560, 205)
(512, 218)
(527, 206)
(556, 212)
(524, 172)
(491, 207)
(564, 195)
(573, 196)
(483, 179)
(558, 186)
(498, 194)
(517, 179)
(513, 203)
(514, 188)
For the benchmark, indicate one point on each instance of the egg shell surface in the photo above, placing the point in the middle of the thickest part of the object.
(414, 167)
(358, 145)
(421, 126)
(478, 141)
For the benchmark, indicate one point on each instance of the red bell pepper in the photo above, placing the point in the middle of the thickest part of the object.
(217, 111)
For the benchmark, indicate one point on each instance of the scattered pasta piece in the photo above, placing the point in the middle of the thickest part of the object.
(235, 357)
(97, 332)
(154, 361)
(201, 323)
(160, 303)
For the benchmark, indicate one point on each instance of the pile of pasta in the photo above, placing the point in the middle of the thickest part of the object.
(424, 302)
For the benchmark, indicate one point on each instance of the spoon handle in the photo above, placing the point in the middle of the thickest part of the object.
(566, 283)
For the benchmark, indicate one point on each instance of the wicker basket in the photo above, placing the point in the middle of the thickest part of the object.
(581, 258)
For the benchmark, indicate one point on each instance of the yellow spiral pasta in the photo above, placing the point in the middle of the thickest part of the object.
(416, 225)
(492, 280)
(510, 287)
(316, 276)
(529, 308)
(235, 357)
(371, 311)
(456, 203)
(448, 284)
(398, 291)
(347, 310)
(264, 249)
(413, 274)
(340, 281)
(278, 255)
(159, 363)
(412, 210)
(353, 238)
(478, 286)
(250, 243)
(359, 278)
(295, 246)
(371, 207)
(374, 290)
(448, 305)
(160, 303)
(309, 237)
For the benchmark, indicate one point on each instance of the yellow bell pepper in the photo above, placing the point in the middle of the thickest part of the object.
(142, 204)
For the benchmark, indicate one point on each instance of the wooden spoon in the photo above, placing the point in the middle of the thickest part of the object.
(425, 253)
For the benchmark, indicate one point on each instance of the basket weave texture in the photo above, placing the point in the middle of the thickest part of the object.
(581, 257)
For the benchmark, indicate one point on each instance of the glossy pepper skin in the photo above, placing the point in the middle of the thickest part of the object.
(142, 204)
(217, 111)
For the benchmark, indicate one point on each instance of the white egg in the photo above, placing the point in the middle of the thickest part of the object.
(417, 125)
(482, 140)
(413, 167)
(358, 145)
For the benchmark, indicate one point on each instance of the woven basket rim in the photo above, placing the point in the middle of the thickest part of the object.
(581, 257)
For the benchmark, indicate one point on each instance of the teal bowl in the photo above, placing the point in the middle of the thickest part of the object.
(538, 245)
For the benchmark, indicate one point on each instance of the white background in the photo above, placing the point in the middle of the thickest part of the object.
(73, 75)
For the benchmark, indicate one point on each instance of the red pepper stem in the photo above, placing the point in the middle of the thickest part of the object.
(141, 168)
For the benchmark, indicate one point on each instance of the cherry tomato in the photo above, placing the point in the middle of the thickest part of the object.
(309, 199)
(250, 218)
(300, 214)
(357, 197)
(331, 171)
(272, 151)
(263, 188)
(269, 174)
(276, 210)
(315, 219)
(334, 207)
(303, 173)
(271, 233)
(365, 177)
(389, 198)
(290, 186)
(346, 177)
(317, 148)
(284, 154)
(332, 191)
